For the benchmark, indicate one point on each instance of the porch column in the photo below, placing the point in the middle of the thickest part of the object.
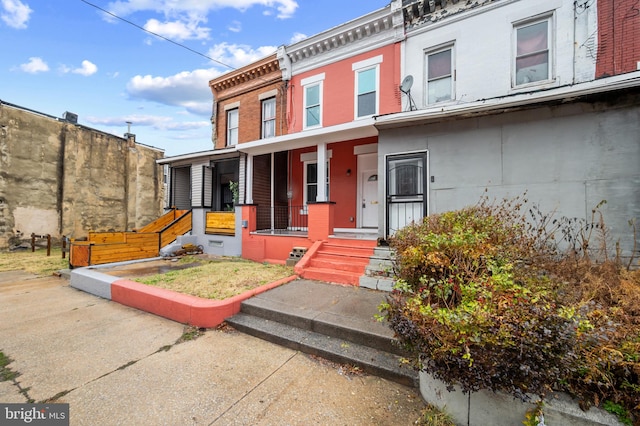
(320, 220)
(249, 180)
(322, 173)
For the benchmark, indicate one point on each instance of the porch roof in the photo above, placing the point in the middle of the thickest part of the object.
(357, 129)
(197, 155)
(523, 100)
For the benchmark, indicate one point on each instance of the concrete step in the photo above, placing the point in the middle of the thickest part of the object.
(340, 263)
(370, 360)
(363, 331)
(332, 275)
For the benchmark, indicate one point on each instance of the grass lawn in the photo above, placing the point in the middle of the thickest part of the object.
(218, 278)
(37, 263)
(207, 278)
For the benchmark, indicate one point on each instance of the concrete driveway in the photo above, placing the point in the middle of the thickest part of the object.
(116, 365)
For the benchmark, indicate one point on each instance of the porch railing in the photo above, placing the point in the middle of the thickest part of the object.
(281, 219)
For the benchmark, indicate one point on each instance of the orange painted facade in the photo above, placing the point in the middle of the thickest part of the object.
(338, 88)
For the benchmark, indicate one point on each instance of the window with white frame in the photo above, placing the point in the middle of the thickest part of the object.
(312, 89)
(440, 75)
(532, 52)
(268, 118)
(367, 81)
(232, 127)
(311, 181)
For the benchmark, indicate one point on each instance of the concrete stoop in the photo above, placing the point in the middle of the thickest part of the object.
(378, 274)
(333, 334)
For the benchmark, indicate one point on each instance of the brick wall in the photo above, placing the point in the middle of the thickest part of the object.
(618, 37)
(246, 88)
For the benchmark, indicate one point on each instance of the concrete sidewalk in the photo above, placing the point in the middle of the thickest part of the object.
(117, 365)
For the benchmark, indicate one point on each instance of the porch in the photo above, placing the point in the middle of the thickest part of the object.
(331, 254)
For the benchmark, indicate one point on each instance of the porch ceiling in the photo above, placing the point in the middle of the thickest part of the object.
(342, 132)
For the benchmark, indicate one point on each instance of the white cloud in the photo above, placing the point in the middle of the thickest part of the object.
(188, 89)
(238, 55)
(34, 66)
(170, 8)
(155, 121)
(235, 27)
(178, 30)
(298, 37)
(88, 68)
(14, 13)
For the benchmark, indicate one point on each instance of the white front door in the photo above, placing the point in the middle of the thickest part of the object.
(369, 202)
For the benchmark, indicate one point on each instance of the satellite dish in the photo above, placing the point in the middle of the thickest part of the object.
(407, 82)
(405, 87)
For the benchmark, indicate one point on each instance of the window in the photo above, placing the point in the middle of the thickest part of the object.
(439, 66)
(311, 181)
(533, 52)
(366, 92)
(366, 86)
(232, 127)
(268, 118)
(312, 109)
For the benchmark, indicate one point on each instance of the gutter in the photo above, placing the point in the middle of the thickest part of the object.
(487, 106)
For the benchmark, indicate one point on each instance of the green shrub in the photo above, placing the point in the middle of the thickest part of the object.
(485, 299)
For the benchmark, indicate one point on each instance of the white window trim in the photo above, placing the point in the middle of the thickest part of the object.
(262, 118)
(355, 92)
(232, 105)
(550, 18)
(451, 45)
(305, 200)
(357, 68)
(311, 81)
(228, 142)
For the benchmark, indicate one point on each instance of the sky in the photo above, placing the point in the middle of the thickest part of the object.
(147, 62)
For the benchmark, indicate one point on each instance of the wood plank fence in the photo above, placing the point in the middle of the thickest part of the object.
(109, 247)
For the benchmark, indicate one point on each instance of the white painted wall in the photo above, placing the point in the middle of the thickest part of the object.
(483, 47)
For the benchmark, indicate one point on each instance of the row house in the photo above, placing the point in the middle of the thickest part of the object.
(512, 97)
(419, 108)
(248, 105)
(324, 187)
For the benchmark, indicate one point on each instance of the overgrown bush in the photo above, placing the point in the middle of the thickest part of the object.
(502, 297)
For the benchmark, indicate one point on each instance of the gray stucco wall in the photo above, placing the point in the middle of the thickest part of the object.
(59, 178)
(566, 157)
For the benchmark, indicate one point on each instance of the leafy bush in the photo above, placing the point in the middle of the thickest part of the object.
(502, 297)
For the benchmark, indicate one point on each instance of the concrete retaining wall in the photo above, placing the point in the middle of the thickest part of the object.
(496, 409)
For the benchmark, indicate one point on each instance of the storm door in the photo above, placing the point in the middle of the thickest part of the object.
(406, 190)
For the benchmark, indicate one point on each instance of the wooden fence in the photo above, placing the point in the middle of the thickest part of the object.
(221, 223)
(109, 247)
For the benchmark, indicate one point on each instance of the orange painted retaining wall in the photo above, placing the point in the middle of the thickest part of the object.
(183, 308)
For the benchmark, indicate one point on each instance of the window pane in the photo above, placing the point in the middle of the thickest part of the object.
(313, 95)
(313, 116)
(312, 173)
(312, 192)
(232, 127)
(268, 118)
(532, 38)
(439, 90)
(405, 177)
(439, 64)
(532, 68)
(366, 104)
(367, 81)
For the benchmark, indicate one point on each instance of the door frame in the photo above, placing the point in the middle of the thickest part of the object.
(367, 162)
(389, 201)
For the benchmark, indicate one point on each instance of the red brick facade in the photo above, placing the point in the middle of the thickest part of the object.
(618, 37)
(245, 89)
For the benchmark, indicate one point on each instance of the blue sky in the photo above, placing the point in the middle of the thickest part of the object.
(68, 55)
